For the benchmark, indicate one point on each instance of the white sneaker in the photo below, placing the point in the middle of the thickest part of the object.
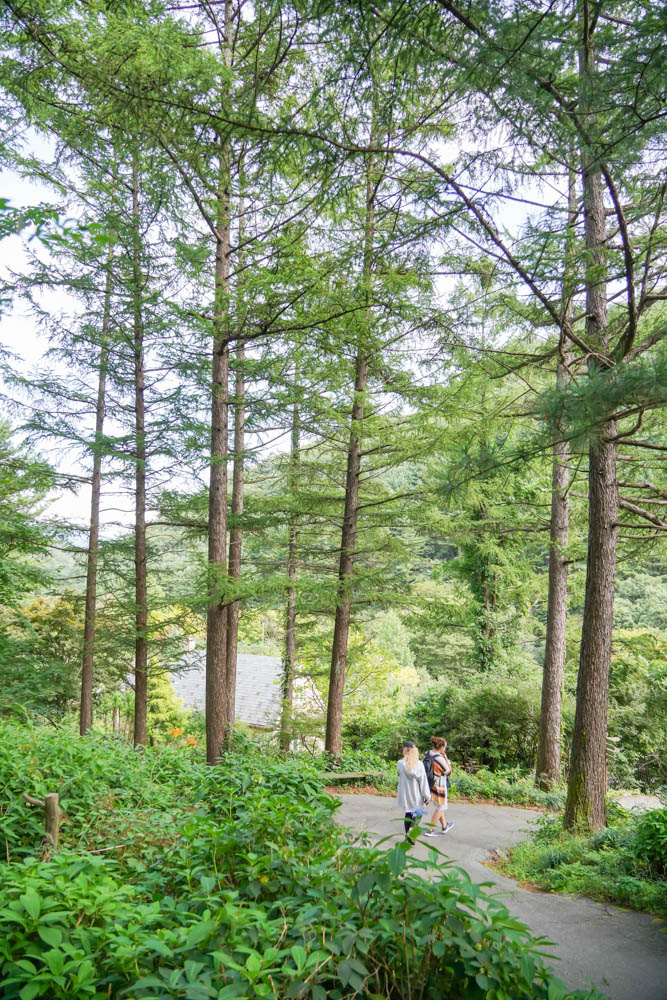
(431, 833)
(447, 828)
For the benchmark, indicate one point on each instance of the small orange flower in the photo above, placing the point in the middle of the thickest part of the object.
(191, 741)
(176, 732)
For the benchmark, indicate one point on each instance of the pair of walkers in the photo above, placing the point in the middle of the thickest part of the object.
(415, 791)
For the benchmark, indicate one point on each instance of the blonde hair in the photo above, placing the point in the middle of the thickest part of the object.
(411, 758)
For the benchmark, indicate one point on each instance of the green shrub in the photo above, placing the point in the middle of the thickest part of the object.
(510, 786)
(552, 858)
(376, 736)
(607, 865)
(232, 881)
(650, 840)
(490, 722)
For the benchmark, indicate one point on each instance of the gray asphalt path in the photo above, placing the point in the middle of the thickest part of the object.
(622, 952)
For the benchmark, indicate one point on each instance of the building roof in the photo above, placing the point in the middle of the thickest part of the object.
(258, 695)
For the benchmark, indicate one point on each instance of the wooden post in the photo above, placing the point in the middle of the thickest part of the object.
(53, 815)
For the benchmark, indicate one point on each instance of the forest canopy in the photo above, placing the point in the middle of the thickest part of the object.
(350, 325)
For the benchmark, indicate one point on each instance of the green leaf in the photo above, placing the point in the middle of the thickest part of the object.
(55, 961)
(366, 883)
(349, 975)
(397, 858)
(300, 956)
(30, 991)
(31, 903)
(253, 963)
(85, 972)
(50, 935)
(198, 932)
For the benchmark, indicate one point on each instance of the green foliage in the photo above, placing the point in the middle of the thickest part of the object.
(165, 709)
(641, 601)
(494, 723)
(623, 864)
(509, 786)
(24, 483)
(650, 841)
(638, 709)
(47, 635)
(231, 881)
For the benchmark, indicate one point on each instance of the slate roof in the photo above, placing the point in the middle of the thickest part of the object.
(258, 698)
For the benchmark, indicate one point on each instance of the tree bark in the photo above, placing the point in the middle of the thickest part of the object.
(351, 508)
(585, 808)
(235, 539)
(547, 771)
(87, 661)
(587, 786)
(346, 564)
(548, 753)
(217, 699)
(140, 598)
(289, 659)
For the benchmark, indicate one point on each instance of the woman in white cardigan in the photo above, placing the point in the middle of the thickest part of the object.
(413, 790)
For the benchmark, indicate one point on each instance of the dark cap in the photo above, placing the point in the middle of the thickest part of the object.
(407, 744)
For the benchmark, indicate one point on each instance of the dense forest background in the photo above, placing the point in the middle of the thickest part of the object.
(353, 336)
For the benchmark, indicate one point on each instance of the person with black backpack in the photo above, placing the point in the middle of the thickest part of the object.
(438, 768)
(413, 793)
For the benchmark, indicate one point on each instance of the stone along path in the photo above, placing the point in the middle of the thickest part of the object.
(624, 953)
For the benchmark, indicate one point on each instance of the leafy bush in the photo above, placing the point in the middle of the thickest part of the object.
(495, 722)
(650, 840)
(231, 881)
(510, 786)
(376, 736)
(611, 865)
(492, 723)
(638, 709)
(507, 785)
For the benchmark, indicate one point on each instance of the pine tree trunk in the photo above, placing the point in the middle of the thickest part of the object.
(289, 659)
(547, 771)
(488, 646)
(587, 786)
(351, 508)
(235, 538)
(217, 702)
(548, 753)
(87, 661)
(140, 599)
(585, 808)
(346, 566)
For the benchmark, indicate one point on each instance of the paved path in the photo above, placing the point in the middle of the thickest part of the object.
(622, 952)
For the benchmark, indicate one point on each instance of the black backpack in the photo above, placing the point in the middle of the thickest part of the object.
(430, 772)
(428, 767)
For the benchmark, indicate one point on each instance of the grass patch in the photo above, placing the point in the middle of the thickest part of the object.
(618, 864)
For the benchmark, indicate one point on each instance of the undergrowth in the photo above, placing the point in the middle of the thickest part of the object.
(509, 786)
(623, 863)
(175, 879)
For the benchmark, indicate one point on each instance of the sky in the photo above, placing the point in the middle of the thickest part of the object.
(20, 336)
